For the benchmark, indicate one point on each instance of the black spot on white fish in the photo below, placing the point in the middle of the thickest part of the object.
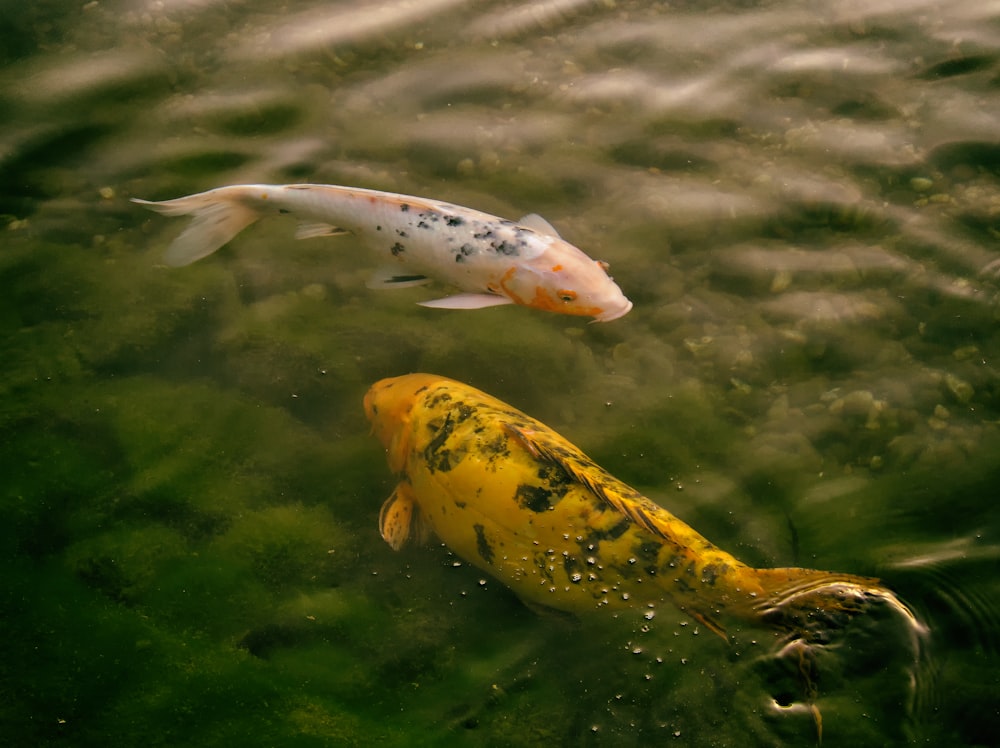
(423, 225)
(401, 233)
(397, 249)
(378, 228)
(506, 248)
(404, 208)
(483, 546)
(454, 220)
(483, 234)
(464, 251)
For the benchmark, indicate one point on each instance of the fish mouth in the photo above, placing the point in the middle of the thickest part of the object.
(614, 313)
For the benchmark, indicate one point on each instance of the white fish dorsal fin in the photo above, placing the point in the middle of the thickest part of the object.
(389, 277)
(313, 230)
(467, 301)
(535, 222)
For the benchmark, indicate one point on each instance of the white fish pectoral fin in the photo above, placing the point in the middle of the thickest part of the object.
(217, 219)
(537, 223)
(313, 230)
(467, 301)
(388, 278)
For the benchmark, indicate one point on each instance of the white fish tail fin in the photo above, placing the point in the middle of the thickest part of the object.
(218, 217)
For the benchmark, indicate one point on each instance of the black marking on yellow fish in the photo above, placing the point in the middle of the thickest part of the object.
(535, 498)
(483, 546)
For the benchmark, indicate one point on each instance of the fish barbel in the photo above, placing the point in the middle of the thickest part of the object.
(517, 500)
(491, 260)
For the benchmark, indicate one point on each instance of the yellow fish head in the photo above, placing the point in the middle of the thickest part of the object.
(389, 404)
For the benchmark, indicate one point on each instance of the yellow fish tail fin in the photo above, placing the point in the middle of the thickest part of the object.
(804, 600)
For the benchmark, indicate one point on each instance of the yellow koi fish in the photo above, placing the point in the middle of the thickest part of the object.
(517, 500)
(490, 260)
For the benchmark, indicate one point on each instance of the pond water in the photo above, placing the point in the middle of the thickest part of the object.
(802, 199)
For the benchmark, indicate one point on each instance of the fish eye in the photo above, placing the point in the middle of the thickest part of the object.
(565, 295)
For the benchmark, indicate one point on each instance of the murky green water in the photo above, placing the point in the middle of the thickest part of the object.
(801, 198)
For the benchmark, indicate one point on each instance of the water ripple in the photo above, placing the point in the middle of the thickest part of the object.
(320, 28)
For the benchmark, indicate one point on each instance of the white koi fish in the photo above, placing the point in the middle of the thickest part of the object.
(491, 260)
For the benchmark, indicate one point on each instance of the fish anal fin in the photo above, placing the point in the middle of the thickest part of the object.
(711, 625)
(398, 519)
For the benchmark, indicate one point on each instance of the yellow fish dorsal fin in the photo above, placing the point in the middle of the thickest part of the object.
(580, 468)
(398, 518)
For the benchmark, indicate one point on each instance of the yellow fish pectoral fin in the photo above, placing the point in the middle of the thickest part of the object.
(398, 518)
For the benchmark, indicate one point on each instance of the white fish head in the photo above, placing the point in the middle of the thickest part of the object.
(564, 280)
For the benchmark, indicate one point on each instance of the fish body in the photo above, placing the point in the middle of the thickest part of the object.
(490, 260)
(517, 500)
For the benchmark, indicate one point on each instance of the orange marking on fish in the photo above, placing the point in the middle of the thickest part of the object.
(546, 302)
(507, 276)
